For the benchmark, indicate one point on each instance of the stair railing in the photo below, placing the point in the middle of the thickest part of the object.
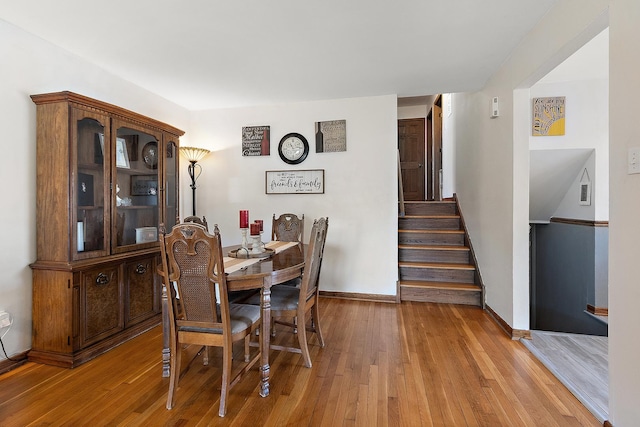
(400, 187)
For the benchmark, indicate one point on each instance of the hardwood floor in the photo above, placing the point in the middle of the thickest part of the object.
(384, 364)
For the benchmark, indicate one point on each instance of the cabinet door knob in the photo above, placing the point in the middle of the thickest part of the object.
(102, 279)
(141, 269)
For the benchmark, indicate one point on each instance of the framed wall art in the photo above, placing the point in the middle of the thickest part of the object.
(295, 182)
(144, 185)
(585, 189)
(331, 136)
(256, 141)
(548, 116)
(85, 189)
(122, 154)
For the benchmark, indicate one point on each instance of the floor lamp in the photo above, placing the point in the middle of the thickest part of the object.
(194, 154)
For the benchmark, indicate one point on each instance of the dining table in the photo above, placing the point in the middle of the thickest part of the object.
(284, 261)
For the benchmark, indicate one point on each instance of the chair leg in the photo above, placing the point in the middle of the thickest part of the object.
(315, 318)
(174, 375)
(302, 341)
(226, 378)
(247, 341)
(205, 356)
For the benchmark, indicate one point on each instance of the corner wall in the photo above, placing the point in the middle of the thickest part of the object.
(492, 155)
(32, 66)
(361, 191)
(624, 214)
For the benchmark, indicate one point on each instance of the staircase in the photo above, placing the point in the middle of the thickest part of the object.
(435, 261)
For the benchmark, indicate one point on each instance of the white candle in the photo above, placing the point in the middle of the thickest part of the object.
(80, 236)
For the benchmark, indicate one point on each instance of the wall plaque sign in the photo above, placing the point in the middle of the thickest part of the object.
(331, 136)
(548, 116)
(255, 141)
(295, 182)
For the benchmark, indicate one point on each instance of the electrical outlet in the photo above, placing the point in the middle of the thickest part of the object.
(5, 319)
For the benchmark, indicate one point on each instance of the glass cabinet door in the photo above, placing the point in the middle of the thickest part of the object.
(89, 225)
(136, 211)
(171, 182)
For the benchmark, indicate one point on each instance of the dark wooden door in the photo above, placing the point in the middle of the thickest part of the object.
(411, 148)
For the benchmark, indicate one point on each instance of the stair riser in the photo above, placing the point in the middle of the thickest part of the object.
(437, 274)
(430, 239)
(443, 296)
(429, 223)
(430, 208)
(433, 255)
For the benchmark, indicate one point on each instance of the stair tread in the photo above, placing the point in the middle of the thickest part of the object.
(429, 202)
(447, 265)
(440, 285)
(430, 217)
(432, 231)
(435, 247)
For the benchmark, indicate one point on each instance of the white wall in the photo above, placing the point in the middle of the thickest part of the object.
(448, 147)
(30, 66)
(413, 112)
(624, 213)
(492, 155)
(586, 126)
(489, 156)
(360, 196)
(570, 206)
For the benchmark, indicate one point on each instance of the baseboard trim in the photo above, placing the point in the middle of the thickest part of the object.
(598, 311)
(359, 297)
(18, 360)
(514, 334)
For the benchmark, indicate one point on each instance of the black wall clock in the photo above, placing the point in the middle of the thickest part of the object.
(293, 148)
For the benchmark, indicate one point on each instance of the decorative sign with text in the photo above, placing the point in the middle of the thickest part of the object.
(255, 141)
(548, 116)
(295, 182)
(331, 136)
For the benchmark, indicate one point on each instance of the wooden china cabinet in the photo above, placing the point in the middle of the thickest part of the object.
(106, 179)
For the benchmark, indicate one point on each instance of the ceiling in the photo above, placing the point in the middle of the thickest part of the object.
(204, 54)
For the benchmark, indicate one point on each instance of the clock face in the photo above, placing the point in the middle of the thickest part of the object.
(293, 148)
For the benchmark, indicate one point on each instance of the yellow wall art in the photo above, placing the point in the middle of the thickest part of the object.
(548, 116)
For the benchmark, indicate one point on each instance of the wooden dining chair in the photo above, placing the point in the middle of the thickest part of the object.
(301, 303)
(287, 228)
(192, 259)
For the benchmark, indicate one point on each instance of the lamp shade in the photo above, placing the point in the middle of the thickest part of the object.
(194, 154)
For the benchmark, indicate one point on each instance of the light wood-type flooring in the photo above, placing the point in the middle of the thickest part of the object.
(580, 362)
(384, 364)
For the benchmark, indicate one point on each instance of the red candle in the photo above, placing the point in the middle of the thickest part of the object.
(261, 223)
(244, 219)
(255, 229)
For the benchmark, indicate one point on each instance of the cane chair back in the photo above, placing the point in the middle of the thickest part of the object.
(287, 228)
(192, 260)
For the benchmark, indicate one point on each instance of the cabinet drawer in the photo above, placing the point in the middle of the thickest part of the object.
(100, 304)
